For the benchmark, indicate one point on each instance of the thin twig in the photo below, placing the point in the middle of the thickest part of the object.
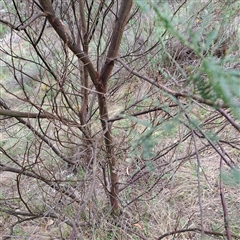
(92, 188)
(170, 91)
(32, 19)
(193, 230)
(224, 206)
(199, 183)
(52, 184)
(230, 120)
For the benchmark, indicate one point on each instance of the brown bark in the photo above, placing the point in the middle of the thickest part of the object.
(59, 27)
(100, 82)
(102, 87)
(115, 40)
(82, 39)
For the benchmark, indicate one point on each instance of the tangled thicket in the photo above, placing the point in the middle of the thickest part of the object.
(118, 118)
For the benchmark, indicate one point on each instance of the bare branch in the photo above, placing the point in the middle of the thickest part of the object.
(224, 205)
(47, 141)
(230, 120)
(116, 39)
(62, 32)
(7, 23)
(28, 23)
(192, 230)
(169, 91)
(11, 113)
(52, 184)
(31, 20)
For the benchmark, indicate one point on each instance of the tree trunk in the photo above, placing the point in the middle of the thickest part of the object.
(106, 71)
(100, 81)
